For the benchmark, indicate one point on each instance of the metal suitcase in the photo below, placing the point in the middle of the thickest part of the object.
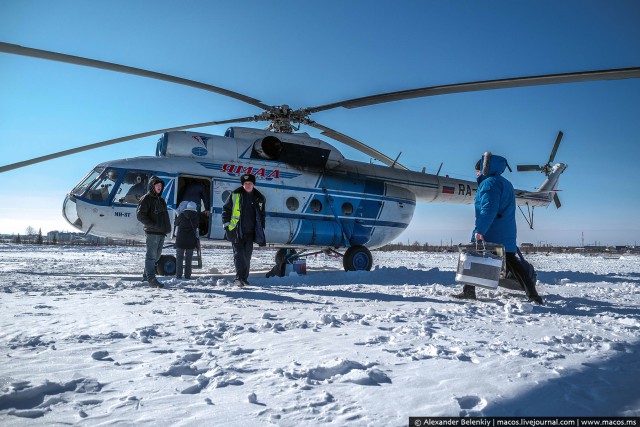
(480, 264)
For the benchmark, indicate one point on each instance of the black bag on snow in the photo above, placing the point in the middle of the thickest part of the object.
(510, 282)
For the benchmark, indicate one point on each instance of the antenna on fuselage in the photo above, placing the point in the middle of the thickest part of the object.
(438, 173)
(396, 160)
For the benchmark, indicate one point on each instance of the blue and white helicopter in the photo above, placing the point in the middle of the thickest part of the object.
(316, 198)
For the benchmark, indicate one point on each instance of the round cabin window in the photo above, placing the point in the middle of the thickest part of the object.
(316, 205)
(292, 203)
(347, 208)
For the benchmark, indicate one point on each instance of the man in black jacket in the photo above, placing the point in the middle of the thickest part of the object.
(243, 217)
(153, 214)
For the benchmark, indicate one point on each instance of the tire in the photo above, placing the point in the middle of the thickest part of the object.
(357, 258)
(166, 266)
(282, 253)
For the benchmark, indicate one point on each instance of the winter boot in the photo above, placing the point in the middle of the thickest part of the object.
(468, 292)
(155, 283)
(537, 299)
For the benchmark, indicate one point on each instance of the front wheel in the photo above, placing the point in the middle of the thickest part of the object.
(357, 258)
(166, 266)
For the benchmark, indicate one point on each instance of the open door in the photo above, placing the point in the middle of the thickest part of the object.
(221, 192)
(196, 189)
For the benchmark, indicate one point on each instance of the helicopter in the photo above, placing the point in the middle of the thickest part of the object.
(317, 200)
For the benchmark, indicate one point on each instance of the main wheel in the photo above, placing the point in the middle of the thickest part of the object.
(283, 254)
(357, 258)
(166, 266)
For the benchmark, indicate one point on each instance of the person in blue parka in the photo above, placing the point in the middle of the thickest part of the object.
(495, 206)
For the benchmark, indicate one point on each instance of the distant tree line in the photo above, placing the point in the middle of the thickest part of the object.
(33, 237)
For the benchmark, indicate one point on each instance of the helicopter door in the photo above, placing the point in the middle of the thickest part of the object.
(221, 192)
(192, 188)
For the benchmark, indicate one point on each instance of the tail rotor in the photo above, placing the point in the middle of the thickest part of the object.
(544, 168)
(547, 168)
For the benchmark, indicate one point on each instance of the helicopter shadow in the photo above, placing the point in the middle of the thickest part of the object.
(587, 307)
(605, 388)
(363, 295)
(557, 277)
(382, 276)
(248, 293)
(322, 284)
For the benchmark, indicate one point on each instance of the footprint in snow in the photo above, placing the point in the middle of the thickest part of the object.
(101, 356)
(471, 405)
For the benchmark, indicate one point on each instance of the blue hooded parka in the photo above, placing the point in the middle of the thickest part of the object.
(495, 204)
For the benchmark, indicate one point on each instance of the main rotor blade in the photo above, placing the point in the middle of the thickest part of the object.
(70, 59)
(546, 79)
(360, 146)
(527, 168)
(114, 141)
(555, 147)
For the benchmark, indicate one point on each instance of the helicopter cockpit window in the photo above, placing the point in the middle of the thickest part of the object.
(86, 182)
(132, 188)
(100, 189)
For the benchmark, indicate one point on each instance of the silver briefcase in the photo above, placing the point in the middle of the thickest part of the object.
(480, 264)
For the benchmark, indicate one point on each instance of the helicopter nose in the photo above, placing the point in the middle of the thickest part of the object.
(70, 212)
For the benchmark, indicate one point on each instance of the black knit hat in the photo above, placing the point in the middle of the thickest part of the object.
(247, 177)
(478, 164)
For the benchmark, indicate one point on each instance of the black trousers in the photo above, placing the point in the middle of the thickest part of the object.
(513, 266)
(242, 251)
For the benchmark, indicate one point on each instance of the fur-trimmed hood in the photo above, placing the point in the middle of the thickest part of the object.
(492, 165)
(153, 181)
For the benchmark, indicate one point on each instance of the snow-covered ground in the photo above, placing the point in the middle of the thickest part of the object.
(83, 341)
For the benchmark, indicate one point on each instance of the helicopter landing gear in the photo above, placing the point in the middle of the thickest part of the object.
(284, 254)
(166, 266)
(357, 258)
(283, 257)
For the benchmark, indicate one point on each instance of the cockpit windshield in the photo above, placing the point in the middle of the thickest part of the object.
(97, 185)
(88, 180)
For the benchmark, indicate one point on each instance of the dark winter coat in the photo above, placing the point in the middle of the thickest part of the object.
(187, 229)
(152, 211)
(195, 192)
(495, 204)
(234, 233)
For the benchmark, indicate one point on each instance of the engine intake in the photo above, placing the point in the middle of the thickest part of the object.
(268, 147)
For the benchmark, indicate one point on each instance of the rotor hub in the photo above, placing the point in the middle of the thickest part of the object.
(283, 119)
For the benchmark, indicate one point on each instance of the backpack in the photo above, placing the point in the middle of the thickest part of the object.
(510, 282)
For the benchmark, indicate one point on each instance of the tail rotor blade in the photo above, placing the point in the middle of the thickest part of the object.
(527, 168)
(555, 147)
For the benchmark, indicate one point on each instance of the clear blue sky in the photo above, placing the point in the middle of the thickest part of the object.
(306, 53)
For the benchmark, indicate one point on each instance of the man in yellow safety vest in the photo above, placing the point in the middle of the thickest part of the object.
(243, 217)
